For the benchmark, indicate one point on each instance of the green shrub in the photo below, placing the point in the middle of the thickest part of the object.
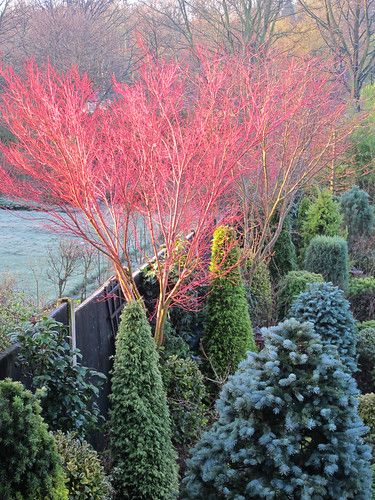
(30, 466)
(259, 294)
(362, 298)
(228, 332)
(84, 472)
(284, 258)
(302, 208)
(15, 309)
(69, 395)
(366, 359)
(326, 307)
(358, 214)
(362, 325)
(287, 427)
(144, 460)
(322, 218)
(366, 409)
(186, 394)
(294, 283)
(328, 256)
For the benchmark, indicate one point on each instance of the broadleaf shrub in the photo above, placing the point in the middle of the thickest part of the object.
(361, 295)
(328, 256)
(366, 359)
(30, 465)
(85, 477)
(141, 449)
(259, 294)
(288, 427)
(186, 394)
(326, 307)
(228, 331)
(68, 396)
(294, 283)
(322, 218)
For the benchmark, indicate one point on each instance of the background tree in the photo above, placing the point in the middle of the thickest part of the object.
(348, 29)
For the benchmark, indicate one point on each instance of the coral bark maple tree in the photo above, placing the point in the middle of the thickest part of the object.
(160, 160)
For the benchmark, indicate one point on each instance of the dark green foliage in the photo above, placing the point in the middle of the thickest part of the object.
(174, 345)
(85, 477)
(361, 295)
(30, 466)
(297, 234)
(228, 331)
(328, 256)
(322, 218)
(186, 394)
(326, 307)
(259, 294)
(358, 214)
(284, 258)
(366, 359)
(68, 395)
(288, 427)
(294, 283)
(144, 459)
(366, 409)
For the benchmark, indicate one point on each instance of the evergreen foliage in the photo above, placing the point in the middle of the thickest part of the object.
(68, 396)
(30, 466)
(358, 214)
(85, 475)
(288, 427)
(284, 258)
(144, 459)
(186, 394)
(366, 359)
(366, 409)
(362, 325)
(259, 294)
(303, 207)
(322, 218)
(228, 332)
(361, 295)
(294, 283)
(326, 307)
(328, 256)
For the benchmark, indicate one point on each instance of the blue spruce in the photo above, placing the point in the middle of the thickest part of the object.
(325, 306)
(287, 428)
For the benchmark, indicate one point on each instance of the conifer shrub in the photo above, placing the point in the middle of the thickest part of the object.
(358, 214)
(288, 427)
(361, 295)
(284, 258)
(228, 331)
(140, 428)
(294, 283)
(186, 394)
(302, 208)
(322, 218)
(83, 470)
(366, 409)
(366, 359)
(259, 294)
(362, 325)
(328, 256)
(326, 307)
(30, 466)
